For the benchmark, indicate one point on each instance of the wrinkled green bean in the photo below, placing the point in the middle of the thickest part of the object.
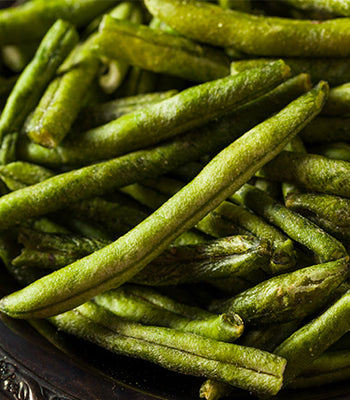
(159, 51)
(269, 36)
(336, 7)
(310, 171)
(287, 297)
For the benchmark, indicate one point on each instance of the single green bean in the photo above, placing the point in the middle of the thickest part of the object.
(120, 261)
(252, 34)
(314, 338)
(294, 225)
(310, 171)
(55, 46)
(147, 307)
(290, 296)
(29, 22)
(159, 51)
(61, 103)
(254, 370)
(191, 108)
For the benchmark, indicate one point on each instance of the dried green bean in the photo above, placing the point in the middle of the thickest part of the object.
(310, 171)
(120, 261)
(252, 34)
(334, 150)
(159, 51)
(290, 296)
(338, 102)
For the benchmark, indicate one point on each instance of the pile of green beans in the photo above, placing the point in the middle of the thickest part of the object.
(175, 183)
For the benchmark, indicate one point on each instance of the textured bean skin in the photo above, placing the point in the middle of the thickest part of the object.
(269, 36)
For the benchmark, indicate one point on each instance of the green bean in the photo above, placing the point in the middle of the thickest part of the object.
(138, 81)
(16, 58)
(336, 7)
(273, 189)
(61, 103)
(335, 150)
(29, 22)
(310, 171)
(55, 46)
(338, 102)
(257, 371)
(314, 338)
(294, 225)
(121, 260)
(269, 36)
(192, 107)
(19, 174)
(290, 296)
(146, 306)
(99, 114)
(326, 129)
(159, 51)
(336, 71)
